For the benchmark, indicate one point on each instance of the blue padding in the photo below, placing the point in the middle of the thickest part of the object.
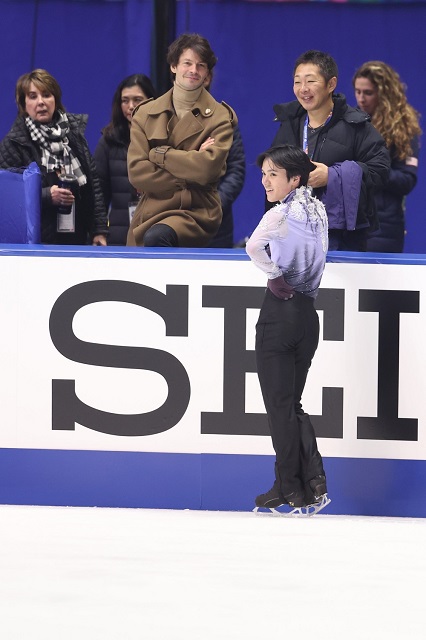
(166, 253)
(99, 478)
(20, 205)
(200, 481)
(139, 253)
(356, 486)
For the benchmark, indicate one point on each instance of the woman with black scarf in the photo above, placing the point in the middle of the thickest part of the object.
(44, 133)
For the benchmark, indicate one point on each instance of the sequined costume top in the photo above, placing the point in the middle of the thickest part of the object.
(292, 240)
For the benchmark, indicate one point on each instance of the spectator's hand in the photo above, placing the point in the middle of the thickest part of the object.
(206, 144)
(280, 288)
(319, 176)
(61, 196)
(99, 241)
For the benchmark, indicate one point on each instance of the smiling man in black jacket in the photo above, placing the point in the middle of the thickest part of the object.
(350, 155)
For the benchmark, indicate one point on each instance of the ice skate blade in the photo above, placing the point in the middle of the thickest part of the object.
(298, 512)
(268, 511)
(311, 509)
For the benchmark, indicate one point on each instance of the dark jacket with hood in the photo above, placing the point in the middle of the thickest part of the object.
(17, 149)
(349, 135)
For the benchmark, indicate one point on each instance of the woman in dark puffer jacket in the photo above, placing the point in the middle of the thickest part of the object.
(380, 92)
(44, 133)
(111, 155)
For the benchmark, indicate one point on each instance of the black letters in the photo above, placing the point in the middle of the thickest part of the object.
(236, 362)
(172, 307)
(387, 425)
(330, 423)
(67, 408)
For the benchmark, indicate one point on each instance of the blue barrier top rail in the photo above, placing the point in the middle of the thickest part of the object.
(61, 251)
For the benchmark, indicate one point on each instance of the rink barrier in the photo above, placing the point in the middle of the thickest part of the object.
(199, 481)
(209, 447)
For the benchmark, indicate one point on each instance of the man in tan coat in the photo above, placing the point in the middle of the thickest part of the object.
(179, 144)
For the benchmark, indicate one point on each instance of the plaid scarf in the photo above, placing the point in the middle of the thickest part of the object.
(55, 150)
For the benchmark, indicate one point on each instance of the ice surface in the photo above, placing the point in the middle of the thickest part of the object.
(125, 574)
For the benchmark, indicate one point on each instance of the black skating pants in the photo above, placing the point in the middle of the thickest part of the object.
(287, 335)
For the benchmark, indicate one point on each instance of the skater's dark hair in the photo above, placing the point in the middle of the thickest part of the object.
(286, 156)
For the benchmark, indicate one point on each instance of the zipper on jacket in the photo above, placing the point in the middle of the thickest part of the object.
(322, 144)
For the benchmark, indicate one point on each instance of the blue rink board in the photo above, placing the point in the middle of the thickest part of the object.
(199, 481)
(182, 253)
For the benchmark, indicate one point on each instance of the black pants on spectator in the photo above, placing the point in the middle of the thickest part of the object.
(160, 235)
(287, 335)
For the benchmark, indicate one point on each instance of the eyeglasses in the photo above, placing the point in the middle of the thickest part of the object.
(134, 100)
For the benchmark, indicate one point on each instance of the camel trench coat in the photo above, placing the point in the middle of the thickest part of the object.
(177, 182)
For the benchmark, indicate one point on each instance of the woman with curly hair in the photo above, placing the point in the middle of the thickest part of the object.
(380, 92)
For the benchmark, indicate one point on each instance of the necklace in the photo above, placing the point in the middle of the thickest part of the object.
(323, 124)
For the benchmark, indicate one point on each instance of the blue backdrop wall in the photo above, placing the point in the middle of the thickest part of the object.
(90, 46)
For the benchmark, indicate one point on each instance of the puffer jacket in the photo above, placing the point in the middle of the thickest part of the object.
(349, 135)
(111, 164)
(390, 202)
(18, 150)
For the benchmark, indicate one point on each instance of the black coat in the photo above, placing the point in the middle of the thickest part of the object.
(390, 201)
(111, 164)
(348, 136)
(18, 150)
(229, 188)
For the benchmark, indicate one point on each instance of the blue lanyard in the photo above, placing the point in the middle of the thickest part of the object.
(305, 133)
(305, 136)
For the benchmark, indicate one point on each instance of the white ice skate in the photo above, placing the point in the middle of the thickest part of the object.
(297, 512)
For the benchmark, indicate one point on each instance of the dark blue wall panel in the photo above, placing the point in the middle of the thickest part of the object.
(200, 481)
(90, 46)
